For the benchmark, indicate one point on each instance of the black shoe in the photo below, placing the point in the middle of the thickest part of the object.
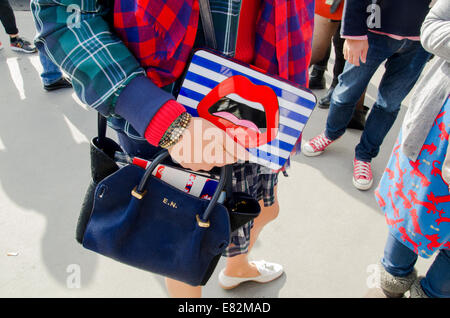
(316, 79)
(61, 83)
(325, 101)
(358, 120)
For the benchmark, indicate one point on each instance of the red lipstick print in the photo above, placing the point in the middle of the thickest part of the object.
(242, 131)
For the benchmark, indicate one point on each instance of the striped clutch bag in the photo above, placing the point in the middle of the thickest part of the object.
(263, 113)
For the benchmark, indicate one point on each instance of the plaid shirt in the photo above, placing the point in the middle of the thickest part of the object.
(284, 38)
(77, 37)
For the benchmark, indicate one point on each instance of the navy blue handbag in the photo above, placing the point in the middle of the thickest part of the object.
(144, 222)
(137, 219)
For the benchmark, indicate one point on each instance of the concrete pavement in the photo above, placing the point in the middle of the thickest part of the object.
(328, 234)
(20, 5)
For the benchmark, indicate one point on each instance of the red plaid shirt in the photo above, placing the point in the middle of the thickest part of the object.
(161, 34)
(284, 38)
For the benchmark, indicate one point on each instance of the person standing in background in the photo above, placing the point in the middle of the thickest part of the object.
(8, 20)
(327, 28)
(391, 34)
(52, 77)
(414, 190)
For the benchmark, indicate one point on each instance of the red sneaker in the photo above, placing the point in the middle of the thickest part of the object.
(362, 175)
(316, 146)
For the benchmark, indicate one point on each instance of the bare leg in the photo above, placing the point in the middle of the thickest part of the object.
(179, 289)
(239, 266)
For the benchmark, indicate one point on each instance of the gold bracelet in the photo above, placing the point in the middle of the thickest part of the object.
(175, 131)
(181, 122)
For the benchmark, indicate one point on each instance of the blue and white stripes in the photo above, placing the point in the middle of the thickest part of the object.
(207, 70)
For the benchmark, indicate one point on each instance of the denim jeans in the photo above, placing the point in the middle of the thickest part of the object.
(399, 260)
(51, 72)
(405, 60)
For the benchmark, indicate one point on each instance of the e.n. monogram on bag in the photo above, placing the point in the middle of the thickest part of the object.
(170, 203)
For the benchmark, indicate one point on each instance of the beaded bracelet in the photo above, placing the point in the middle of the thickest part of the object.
(175, 130)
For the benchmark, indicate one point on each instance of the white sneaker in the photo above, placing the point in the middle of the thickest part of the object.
(268, 272)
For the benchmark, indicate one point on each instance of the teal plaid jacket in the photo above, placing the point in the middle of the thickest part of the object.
(77, 36)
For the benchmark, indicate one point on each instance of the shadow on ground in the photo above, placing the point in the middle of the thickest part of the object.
(35, 172)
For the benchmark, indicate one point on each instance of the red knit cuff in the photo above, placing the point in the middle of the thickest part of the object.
(159, 124)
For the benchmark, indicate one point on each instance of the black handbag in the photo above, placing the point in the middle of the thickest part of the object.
(101, 150)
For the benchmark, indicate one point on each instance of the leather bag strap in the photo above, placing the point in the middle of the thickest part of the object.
(207, 23)
(101, 129)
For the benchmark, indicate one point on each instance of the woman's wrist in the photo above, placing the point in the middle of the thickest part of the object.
(161, 122)
(175, 131)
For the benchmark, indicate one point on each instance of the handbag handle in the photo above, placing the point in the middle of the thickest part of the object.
(139, 192)
(101, 128)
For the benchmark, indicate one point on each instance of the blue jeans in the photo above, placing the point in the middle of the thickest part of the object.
(399, 260)
(405, 60)
(51, 72)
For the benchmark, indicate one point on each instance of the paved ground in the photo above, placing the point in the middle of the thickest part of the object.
(327, 236)
(20, 5)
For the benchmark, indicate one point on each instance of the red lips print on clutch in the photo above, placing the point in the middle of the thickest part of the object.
(246, 111)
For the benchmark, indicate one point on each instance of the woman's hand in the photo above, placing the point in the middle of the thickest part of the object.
(203, 146)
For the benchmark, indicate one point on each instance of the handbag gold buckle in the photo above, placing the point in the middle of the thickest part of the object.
(136, 194)
(202, 223)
